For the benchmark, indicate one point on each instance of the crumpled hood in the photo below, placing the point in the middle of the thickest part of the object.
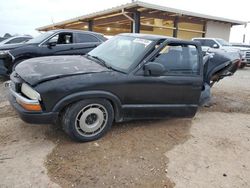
(228, 51)
(42, 69)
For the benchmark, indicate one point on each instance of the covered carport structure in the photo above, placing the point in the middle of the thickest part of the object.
(141, 17)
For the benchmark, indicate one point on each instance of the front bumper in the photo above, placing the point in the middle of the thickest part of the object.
(28, 116)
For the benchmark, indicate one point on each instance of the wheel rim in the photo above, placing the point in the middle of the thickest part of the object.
(91, 120)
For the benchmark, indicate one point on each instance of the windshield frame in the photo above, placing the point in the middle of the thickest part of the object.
(222, 42)
(49, 34)
(137, 60)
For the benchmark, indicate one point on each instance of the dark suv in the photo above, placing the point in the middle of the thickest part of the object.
(56, 42)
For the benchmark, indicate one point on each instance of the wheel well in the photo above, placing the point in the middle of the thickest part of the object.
(115, 108)
(18, 60)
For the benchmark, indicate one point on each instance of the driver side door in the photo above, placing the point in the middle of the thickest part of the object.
(59, 44)
(174, 91)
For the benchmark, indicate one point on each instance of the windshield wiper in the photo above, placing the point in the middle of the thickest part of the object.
(103, 62)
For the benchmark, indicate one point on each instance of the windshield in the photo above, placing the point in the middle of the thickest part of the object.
(223, 42)
(40, 38)
(121, 52)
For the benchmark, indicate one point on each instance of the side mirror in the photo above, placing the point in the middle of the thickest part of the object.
(215, 46)
(153, 69)
(51, 44)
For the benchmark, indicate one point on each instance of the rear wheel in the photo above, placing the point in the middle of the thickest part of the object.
(88, 120)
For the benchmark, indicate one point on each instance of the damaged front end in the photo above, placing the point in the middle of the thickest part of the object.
(219, 64)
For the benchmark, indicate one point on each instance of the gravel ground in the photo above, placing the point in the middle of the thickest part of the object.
(210, 150)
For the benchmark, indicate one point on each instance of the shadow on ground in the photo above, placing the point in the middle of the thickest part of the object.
(130, 155)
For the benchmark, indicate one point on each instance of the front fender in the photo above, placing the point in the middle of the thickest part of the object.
(26, 51)
(115, 101)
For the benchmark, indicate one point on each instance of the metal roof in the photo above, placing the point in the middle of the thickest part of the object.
(142, 5)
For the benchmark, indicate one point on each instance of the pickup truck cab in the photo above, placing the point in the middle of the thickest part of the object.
(245, 50)
(55, 42)
(221, 44)
(130, 76)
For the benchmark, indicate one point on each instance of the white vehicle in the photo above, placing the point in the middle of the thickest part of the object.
(218, 43)
(15, 40)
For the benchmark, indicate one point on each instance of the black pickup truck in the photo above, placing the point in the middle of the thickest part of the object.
(130, 76)
(56, 42)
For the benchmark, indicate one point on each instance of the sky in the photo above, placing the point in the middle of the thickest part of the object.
(23, 16)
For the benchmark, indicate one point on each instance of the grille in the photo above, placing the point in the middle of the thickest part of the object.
(15, 86)
(12, 86)
(248, 55)
(15, 82)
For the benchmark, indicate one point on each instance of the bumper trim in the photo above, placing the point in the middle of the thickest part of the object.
(33, 117)
(23, 99)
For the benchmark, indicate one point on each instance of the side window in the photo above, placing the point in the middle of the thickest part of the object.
(209, 43)
(84, 38)
(179, 59)
(62, 38)
(202, 41)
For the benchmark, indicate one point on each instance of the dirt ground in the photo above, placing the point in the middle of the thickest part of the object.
(210, 150)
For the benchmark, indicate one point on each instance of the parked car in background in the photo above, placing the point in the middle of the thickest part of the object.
(2, 38)
(10, 46)
(16, 40)
(245, 48)
(241, 45)
(56, 42)
(108, 36)
(218, 43)
(130, 76)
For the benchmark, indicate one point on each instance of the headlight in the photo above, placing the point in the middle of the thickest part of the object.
(29, 92)
(4, 52)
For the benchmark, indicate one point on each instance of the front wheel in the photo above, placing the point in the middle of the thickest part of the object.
(88, 120)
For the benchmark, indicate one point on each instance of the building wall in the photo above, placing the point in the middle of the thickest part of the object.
(188, 34)
(218, 30)
(158, 30)
(182, 34)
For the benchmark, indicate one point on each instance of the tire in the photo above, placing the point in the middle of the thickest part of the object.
(88, 120)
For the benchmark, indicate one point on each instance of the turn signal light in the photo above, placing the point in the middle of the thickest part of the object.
(30, 107)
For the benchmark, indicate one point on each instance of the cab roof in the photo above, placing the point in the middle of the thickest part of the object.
(147, 36)
(73, 31)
